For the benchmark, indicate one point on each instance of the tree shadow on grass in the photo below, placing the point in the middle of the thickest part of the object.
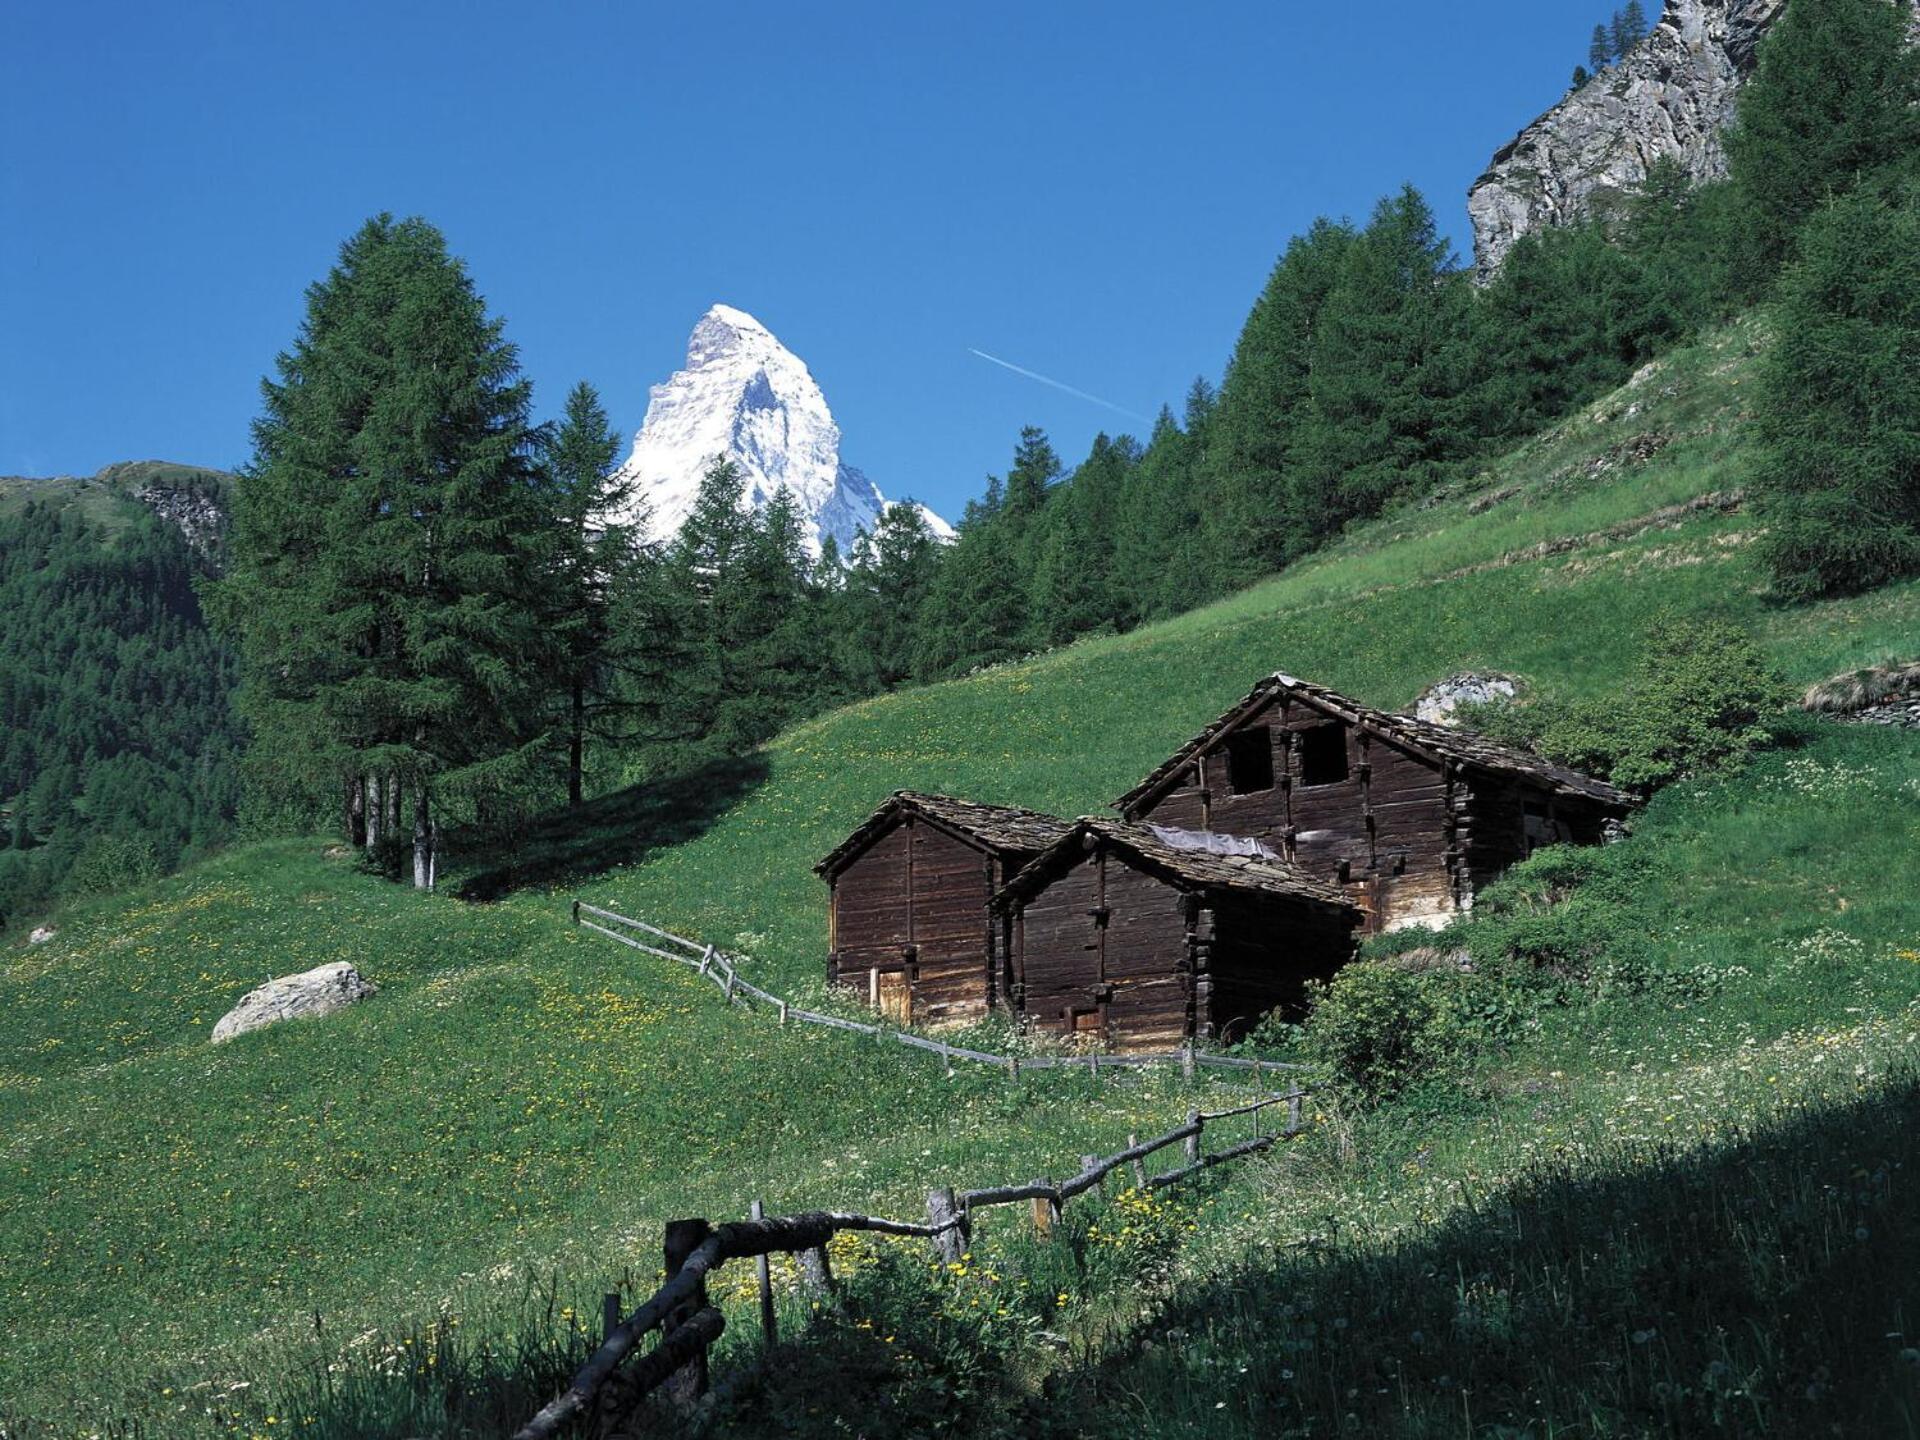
(1767, 1284)
(620, 828)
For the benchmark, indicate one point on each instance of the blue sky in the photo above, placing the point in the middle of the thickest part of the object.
(1092, 191)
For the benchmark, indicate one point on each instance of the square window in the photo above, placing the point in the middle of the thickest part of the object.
(1250, 761)
(1323, 755)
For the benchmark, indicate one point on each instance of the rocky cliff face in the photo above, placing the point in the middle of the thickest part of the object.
(1672, 96)
(745, 396)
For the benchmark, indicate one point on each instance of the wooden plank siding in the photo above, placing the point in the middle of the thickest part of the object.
(1119, 939)
(908, 922)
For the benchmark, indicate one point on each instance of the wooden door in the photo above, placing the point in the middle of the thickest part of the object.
(1088, 1024)
(890, 994)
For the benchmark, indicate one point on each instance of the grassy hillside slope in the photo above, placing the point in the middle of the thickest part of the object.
(523, 1100)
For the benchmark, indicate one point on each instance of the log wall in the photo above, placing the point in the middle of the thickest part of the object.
(1260, 957)
(1103, 951)
(914, 904)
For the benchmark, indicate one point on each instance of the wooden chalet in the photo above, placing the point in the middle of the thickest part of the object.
(907, 918)
(1145, 937)
(1411, 818)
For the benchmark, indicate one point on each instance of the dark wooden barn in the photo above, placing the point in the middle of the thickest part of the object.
(1411, 818)
(907, 918)
(1141, 938)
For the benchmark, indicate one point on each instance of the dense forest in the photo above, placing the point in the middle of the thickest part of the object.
(439, 634)
(118, 756)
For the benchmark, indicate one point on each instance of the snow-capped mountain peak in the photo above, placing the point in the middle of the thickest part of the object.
(745, 396)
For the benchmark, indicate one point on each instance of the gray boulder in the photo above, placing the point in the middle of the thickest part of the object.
(1438, 701)
(41, 935)
(319, 991)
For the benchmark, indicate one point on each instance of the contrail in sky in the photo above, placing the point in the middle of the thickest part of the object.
(1056, 384)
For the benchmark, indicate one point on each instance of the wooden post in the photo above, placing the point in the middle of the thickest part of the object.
(1044, 1211)
(1186, 1061)
(1259, 1094)
(609, 1315)
(783, 1012)
(816, 1272)
(576, 912)
(1013, 1067)
(763, 1266)
(1087, 1162)
(1293, 1110)
(949, 1245)
(1139, 1166)
(683, 1237)
(873, 987)
(1193, 1140)
(706, 959)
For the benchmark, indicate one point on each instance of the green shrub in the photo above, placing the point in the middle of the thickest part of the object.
(1703, 695)
(1382, 1027)
(1564, 915)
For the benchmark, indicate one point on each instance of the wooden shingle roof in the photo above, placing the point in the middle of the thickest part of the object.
(994, 827)
(1436, 743)
(1189, 868)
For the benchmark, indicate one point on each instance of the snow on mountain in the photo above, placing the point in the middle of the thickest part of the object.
(745, 396)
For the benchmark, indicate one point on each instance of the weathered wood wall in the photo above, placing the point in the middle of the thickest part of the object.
(872, 922)
(1104, 951)
(1408, 837)
(915, 903)
(950, 885)
(1260, 956)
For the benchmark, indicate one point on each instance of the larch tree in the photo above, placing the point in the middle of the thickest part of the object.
(1834, 101)
(1839, 479)
(388, 558)
(598, 561)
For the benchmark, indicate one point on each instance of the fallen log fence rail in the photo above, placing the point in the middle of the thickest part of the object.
(603, 1393)
(720, 968)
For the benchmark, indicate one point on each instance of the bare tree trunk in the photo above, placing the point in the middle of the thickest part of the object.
(356, 811)
(374, 800)
(577, 743)
(422, 840)
(393, 805)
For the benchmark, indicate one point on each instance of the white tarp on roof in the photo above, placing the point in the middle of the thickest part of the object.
(1211, 843)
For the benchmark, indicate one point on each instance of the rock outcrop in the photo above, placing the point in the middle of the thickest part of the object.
(1439, 701)
(1671, 97)
(319, 991)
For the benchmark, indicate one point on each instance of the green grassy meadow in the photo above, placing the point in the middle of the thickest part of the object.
(191, 1237)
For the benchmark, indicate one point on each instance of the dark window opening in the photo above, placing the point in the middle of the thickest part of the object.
(1250, 761)
(1323, 755)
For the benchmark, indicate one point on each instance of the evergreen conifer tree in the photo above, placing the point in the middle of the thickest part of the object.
(1261, 514)
(1389, 383)
(1839, 480)
(387, 562)
(1834, 101)
(597, 563)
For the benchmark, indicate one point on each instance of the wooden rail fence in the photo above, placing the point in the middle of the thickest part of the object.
(720, 969)
(603, 1393)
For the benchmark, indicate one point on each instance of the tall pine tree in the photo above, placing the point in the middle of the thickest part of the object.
(1389, 385)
